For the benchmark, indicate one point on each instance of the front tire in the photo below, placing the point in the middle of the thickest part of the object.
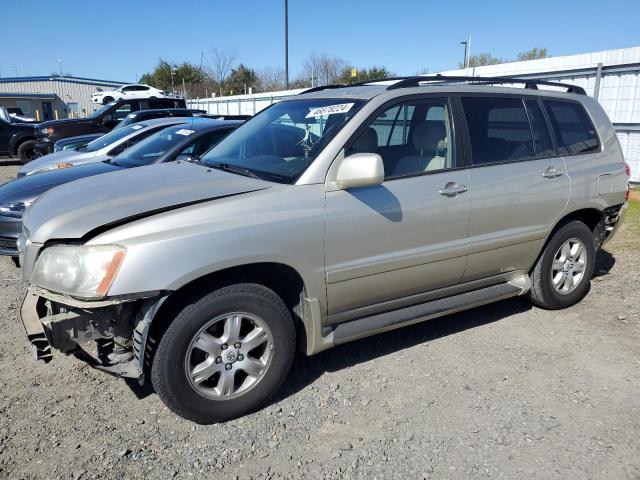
(224, 354)
(107, 100)
(27, 151)
(562, 275)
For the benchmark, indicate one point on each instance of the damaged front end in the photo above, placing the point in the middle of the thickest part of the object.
(118, 326)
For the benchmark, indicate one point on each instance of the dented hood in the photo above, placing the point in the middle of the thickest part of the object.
(74, 209)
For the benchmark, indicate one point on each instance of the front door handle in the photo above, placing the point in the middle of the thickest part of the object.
(452, 189)
(552, 172)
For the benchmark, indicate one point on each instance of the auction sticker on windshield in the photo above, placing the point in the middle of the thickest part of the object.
(185, 131)
(329, 110)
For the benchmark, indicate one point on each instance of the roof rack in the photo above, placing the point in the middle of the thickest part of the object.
(528, 82)
(415, 81)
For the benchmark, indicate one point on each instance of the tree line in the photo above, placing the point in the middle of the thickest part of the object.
(222, 74)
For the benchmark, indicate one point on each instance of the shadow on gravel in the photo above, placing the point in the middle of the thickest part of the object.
(307, 370)
(604, 263)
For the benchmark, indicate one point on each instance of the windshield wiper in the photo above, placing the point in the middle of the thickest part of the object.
(234, 169)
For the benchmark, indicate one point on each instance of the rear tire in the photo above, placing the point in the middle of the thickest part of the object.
(205, 372)
(27, 151)
(562, 274)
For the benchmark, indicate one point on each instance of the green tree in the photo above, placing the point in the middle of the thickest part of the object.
(363, 74)
(481, 59)
(533, 54)
(240, 80)
(193, 78)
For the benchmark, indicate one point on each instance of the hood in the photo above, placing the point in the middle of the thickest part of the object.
(62, 122)
(27, 189)
(73, 210)
(53, 158)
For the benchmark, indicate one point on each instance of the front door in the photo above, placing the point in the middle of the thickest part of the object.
(519, 186)
(387, 245)
(47, 111)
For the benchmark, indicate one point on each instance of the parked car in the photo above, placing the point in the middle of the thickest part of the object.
(102, 148)
(327, 217)
(184, 141)
(17, 114)
(16, 138)
(139, 116)
(127, 92)
(101, 121)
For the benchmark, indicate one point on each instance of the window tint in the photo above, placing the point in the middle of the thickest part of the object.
(573, 128)
(541, 136)
(498, 129)
(412, 137)
(122, 111)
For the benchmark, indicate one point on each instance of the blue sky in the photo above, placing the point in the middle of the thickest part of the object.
(122, 39)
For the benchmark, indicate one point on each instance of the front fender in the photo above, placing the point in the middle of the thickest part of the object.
(17, 138)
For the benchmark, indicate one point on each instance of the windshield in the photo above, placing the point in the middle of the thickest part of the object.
(152, 148)
(282, 141)
(111, 137)
(101, 110)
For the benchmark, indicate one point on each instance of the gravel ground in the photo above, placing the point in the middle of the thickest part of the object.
(503, 391)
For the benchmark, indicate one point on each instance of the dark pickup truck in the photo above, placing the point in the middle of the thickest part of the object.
(16, 138)
(100, 121)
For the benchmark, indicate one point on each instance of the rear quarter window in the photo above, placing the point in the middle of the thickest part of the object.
(574, 130)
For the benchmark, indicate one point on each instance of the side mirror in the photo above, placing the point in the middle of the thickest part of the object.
(107, 119)
(360, 170)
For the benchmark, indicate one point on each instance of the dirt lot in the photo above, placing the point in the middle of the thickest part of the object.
(504, 391)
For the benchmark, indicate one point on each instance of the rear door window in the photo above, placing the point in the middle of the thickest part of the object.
(499, 129)
(575, 133)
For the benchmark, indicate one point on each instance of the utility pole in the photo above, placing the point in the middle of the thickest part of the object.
(286, 44)
(467, 51)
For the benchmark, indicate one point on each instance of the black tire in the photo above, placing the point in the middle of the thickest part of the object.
(542, 293)
(27, 151)
(107, 100)
(168, 372)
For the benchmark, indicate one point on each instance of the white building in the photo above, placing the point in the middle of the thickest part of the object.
(610, 76)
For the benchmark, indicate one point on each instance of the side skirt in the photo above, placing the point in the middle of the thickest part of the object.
(382, 322)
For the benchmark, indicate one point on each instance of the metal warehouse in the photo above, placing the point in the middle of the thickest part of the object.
(73, 95)
(610, 76)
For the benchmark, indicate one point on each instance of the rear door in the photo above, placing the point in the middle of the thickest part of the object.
(519, 186)
(389, 245)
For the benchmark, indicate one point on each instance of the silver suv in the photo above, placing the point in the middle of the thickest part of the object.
(340, 213)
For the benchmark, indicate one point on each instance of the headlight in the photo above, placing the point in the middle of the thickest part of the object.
(15, 210)
(48, 168)
(85, 271)
(46, 131)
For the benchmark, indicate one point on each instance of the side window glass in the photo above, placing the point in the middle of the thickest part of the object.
(207, 141)
(412, 138)
(498, 129)
(122, 111)
(573, 128)
(541, 135)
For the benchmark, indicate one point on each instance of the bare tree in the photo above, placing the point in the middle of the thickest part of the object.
(323, 69)
(271, 79)
(221, 65)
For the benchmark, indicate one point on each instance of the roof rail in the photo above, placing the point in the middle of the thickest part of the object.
(415, 81)
(323, 87)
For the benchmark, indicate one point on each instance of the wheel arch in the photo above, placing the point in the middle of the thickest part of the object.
(592, 217)
(283, 279)
(17, 140)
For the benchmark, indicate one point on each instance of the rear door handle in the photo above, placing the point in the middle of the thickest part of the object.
(452, 189)
(552, 172)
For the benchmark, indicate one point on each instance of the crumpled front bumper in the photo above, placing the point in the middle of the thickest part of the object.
(54, 321)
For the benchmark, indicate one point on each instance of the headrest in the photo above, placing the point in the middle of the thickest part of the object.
(427, 134)
(367, 143)
(442, 148)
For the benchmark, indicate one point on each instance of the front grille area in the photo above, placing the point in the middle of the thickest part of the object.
(10, 243)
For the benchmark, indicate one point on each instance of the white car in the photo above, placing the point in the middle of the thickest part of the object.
(127, 92)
